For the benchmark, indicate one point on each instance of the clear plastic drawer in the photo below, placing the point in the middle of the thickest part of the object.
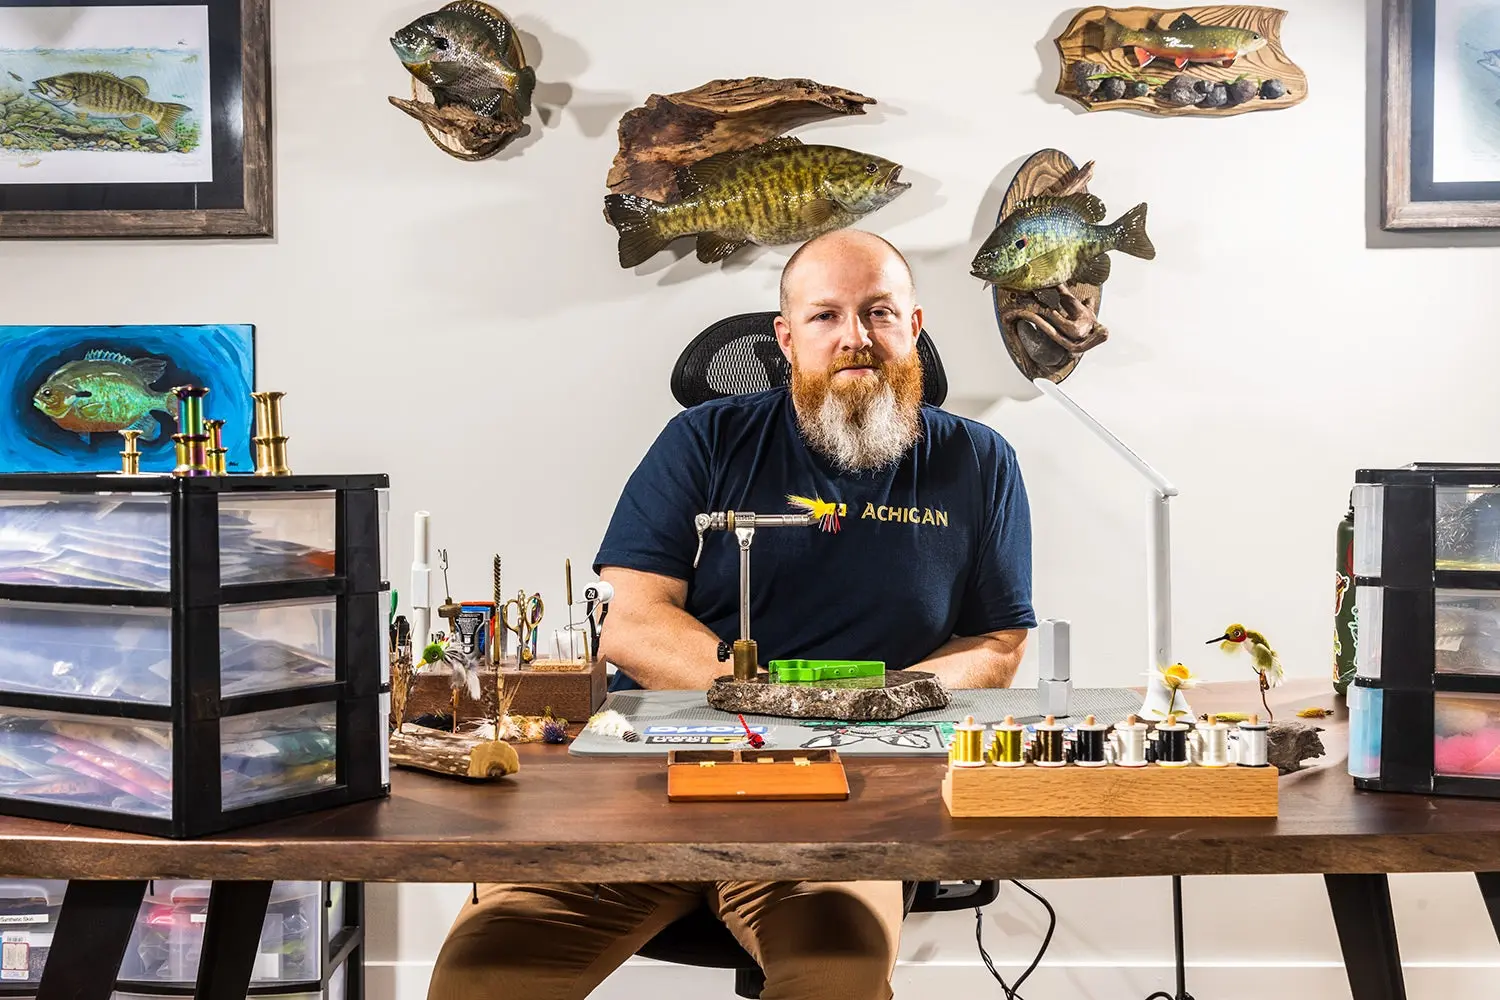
(167, 943)
(1466, 632)
(1466, 735)
(277, 645)
(278, 754)
(115, 653)
(116, 765)
(28, 918)
(1468, 527)
(1366, 722)
(276, 537)
(121, 541)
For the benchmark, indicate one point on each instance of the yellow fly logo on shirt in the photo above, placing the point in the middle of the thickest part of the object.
(827, 512)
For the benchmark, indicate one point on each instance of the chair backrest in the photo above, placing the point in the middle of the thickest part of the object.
(739, 355)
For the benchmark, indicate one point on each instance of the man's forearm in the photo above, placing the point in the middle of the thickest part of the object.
(977, 661)
(666, 648)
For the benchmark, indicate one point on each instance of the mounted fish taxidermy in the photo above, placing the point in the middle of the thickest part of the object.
(1047, 260)
(471, 85)
(1221, 60)
(712, 163)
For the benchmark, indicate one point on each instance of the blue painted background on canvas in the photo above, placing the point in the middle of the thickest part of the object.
(35, 357)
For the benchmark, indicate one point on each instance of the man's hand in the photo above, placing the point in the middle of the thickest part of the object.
(650, 636)
(976, 661)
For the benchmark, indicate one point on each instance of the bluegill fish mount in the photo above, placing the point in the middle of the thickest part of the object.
(471, 84)
(1047, 260)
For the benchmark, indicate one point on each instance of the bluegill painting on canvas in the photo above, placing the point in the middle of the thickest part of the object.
(104, 94)
(66, 393)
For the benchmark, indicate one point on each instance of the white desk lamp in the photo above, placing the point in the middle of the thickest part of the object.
(1158, 558)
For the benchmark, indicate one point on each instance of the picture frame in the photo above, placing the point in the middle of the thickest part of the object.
(135, 119)
(1440, 117)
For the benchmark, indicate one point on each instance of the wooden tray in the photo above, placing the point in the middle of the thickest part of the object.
(755, 775)
(1150, 791)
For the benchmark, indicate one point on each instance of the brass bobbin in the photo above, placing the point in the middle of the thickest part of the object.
(1009, 746)
(184, 464)
(967, 748)
(130, 458)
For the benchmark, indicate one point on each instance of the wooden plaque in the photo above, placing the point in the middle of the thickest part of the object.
(1150, 791)
(755, 775)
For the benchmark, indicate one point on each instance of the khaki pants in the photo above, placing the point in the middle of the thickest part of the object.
(815, 940)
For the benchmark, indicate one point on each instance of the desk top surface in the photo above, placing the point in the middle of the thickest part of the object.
(568, 819)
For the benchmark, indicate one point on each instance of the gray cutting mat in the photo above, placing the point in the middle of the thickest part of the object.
(668, 720)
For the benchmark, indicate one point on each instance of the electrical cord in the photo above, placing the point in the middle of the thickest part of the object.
(1013, 992)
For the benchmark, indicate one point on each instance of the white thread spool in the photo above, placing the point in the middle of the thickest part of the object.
(1214, 750)
(1130, 743)
(1254, 743)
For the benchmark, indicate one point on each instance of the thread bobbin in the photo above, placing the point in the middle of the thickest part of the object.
(1130, 743)
(1050, 749)
(967, 748)
(1254, 743)
(1008, 748)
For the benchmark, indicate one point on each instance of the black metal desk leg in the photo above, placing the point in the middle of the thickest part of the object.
(93, 931)
(1367, 935)
(231, 937)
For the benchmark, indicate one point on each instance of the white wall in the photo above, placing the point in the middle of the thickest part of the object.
(465, 327)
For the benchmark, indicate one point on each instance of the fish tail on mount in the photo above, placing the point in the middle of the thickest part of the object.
(525, 84)
(1115, 35)
(1131, 235)
(636, 219)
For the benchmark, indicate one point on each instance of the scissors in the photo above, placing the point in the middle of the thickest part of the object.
(528, 615)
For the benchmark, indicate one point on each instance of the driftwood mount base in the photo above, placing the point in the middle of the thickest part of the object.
(1048, 331)
(452, 755)
(674, 130)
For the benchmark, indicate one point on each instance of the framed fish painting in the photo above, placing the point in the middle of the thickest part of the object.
(1441, 115)
(68, 391)
(135, 118)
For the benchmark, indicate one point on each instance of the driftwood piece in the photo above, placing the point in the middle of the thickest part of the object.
(458, 131)
(1048, 331)
(1288, 744)
(1081, 41)
(674, 130)
(453, 755)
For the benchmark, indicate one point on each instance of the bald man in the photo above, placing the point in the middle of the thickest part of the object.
(930, 568)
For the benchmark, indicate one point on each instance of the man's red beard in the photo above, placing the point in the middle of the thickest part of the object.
(865, 422)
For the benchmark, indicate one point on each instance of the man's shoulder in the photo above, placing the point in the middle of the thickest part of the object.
(949, 430)
(732, 411)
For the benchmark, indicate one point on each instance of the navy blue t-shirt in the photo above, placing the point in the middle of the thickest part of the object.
(935, 546)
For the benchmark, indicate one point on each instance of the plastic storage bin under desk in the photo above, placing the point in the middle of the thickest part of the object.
(28, 918)
(167, 942)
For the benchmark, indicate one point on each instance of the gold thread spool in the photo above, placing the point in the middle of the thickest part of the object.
(1008, 748)
(130, 458)
(184, 465)
(268, 414)
(270, 441)
(216, 449)
(967, 748)
(197, 449)
(1050, 750)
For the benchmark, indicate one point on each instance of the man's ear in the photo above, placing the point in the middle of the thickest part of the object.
(916, 324)
(784, 336)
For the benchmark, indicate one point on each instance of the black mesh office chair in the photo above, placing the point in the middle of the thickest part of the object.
(735, 356)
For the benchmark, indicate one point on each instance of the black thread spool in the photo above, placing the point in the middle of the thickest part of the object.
(1051, 744)
(1171, 745)
(1088, 743)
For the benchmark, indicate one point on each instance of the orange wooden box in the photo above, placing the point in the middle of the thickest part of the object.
(755, 775)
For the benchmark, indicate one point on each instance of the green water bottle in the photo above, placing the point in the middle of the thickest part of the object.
(1344, 624)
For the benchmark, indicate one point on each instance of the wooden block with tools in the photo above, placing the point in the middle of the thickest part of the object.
(755, 775)
(572, 690)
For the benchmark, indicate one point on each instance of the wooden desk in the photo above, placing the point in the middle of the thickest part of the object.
(564, 818)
